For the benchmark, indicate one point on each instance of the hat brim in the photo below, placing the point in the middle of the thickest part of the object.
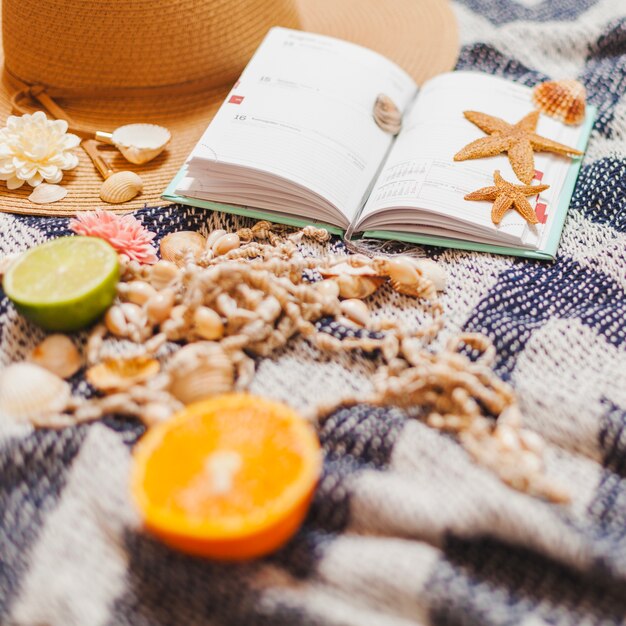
(419, 35)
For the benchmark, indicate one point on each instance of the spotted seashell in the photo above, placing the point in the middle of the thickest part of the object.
(121, 187)
(177, 246)
(561, 99)
(29, 392)
(200, 370)
(387, 115)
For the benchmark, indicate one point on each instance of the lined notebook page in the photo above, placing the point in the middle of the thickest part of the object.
(420, 171)
(302, 110)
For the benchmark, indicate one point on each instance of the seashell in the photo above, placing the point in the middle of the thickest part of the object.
(137, 291)
(122, 319)
(58, 354)
(402, 269)
(328, 288)
(225, 244)
(200, 370)
(140, 143)
(160, 305)
(351, 286)
(213, 237)
(47, 194)
(345, 268)
(561, 99)
(121, 187)
(118, 374)
(176, 246)
(28, 391)
(387, 115)
(356, 311)
(162, 273)
(208, 323)
(433, 271)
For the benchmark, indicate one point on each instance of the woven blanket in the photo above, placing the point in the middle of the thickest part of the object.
(405, 528)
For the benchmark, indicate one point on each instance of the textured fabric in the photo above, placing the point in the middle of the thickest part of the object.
(404, 529)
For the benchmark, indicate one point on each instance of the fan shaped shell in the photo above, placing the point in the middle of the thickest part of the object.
(176, 246)
(28, 391)
(121, 187)
(561, 99)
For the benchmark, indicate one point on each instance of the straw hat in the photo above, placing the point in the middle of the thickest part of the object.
(171, 62)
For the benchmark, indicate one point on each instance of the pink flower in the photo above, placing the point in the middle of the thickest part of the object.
(124, 232)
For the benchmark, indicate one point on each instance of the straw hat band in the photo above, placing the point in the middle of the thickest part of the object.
(109, 44)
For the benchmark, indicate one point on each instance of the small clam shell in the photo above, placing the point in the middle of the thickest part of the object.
(345, 268)
(387, 114)
(28, 391)
(328, 288)
(160, 305)
(137, 291)
(561, 99)
(225, 244)
(162, 273)
(208, 323)
(121, 187)
(351, 286)
(434, 272)
(356, 311)
(117, 374)
(140, 143)
(200, 370)
(214, 236)
(47, 194)
(176, 246)
(58, 354)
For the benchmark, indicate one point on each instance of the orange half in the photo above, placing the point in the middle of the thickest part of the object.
(229, 478)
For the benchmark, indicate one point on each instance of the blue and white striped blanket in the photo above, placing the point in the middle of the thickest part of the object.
(405, 529)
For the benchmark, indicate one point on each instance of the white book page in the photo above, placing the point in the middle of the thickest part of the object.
(420, 171)
(302, 110)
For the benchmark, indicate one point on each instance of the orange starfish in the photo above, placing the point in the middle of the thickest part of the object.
(506, 195)
(519, 141)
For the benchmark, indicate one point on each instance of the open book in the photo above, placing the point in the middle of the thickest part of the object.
(296, 142)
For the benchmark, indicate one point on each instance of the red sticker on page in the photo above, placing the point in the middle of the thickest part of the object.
(540, 212)
(236, 99)
(538, 175)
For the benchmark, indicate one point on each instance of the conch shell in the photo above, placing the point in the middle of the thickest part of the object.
(121, 187)
(200, 370)
(561, 99)
(28, 392)
(387, 115)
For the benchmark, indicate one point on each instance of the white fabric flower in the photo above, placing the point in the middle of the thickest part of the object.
(34, 148)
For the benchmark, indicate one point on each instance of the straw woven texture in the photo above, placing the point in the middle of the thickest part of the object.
(114, 45)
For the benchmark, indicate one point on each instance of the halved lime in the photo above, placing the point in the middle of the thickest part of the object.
(65, 284)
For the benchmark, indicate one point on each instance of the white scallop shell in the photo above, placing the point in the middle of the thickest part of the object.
(140, 143)
(47, 194)
(200, 370)
(58, 354)
(121, 187)
(28, 391)
(177, 246)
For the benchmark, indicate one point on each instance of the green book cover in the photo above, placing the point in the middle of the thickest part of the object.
(547, 253)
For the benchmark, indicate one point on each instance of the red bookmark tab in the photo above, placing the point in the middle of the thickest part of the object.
(236, 99)
(540, 212)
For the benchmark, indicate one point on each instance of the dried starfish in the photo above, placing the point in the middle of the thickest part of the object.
(519, 141)
(506, 195)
